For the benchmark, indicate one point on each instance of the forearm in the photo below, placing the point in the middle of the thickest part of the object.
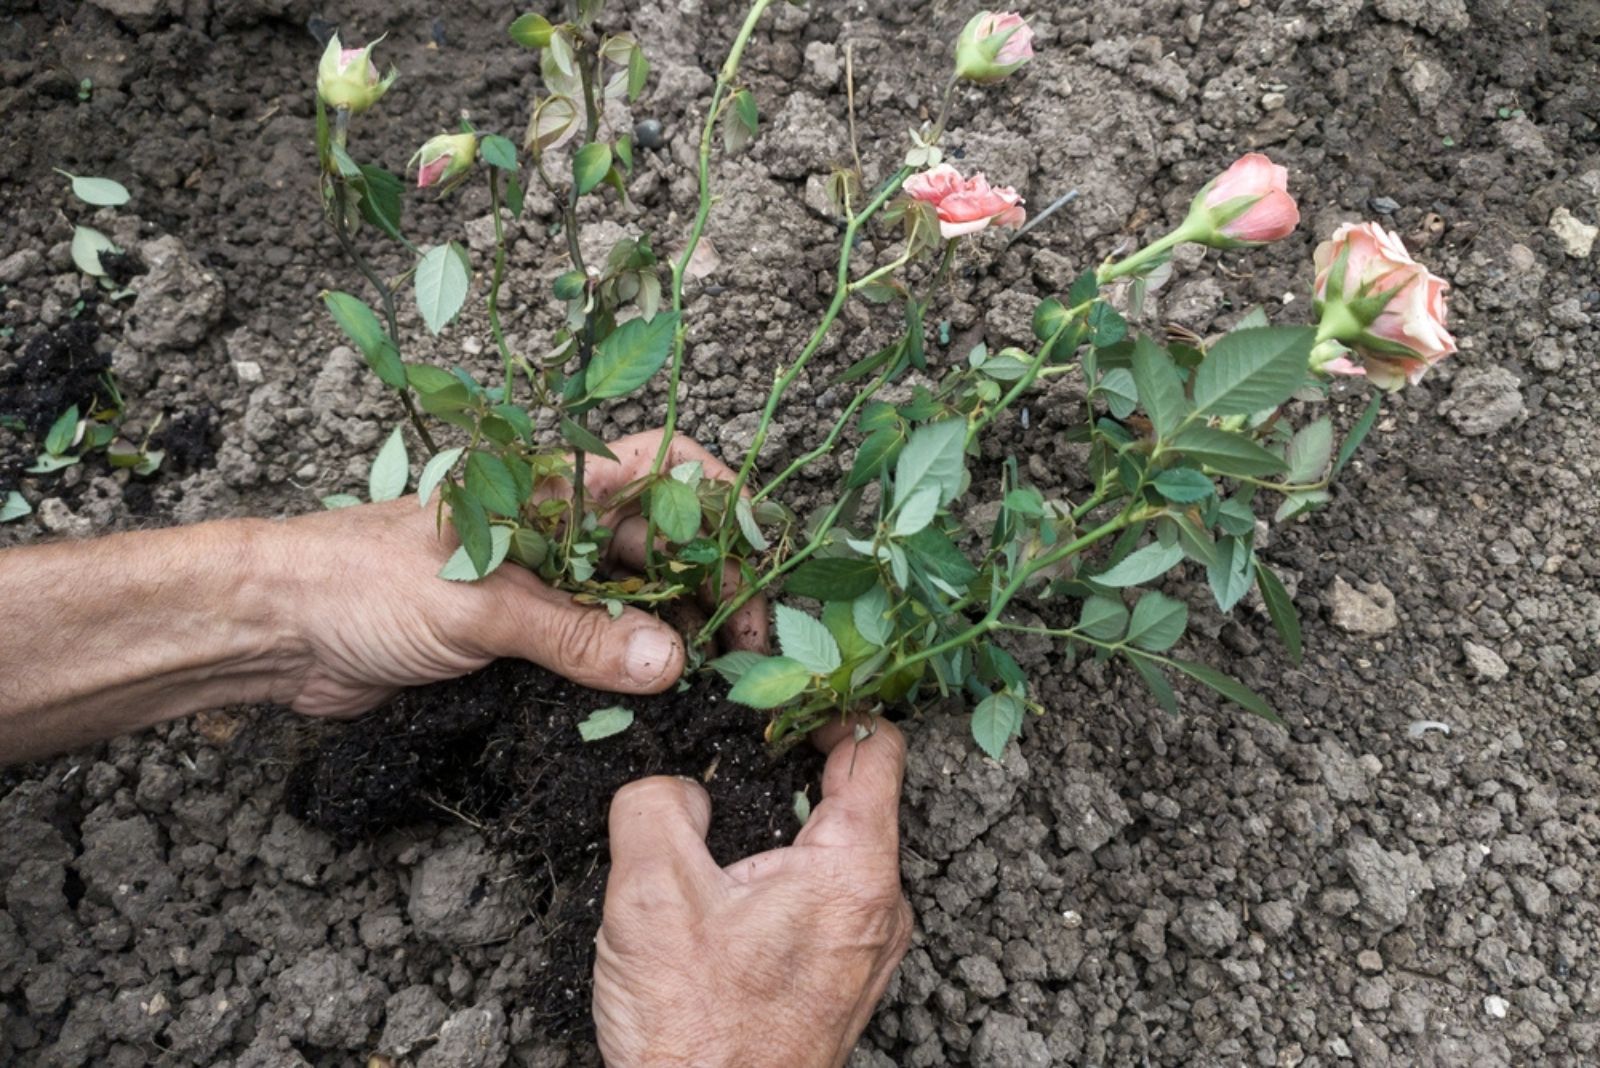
(111, 635)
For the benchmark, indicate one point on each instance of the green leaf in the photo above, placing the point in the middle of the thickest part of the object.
(1225, 452)
(1280, 606)
(1103, 618)
(877, 450)
(1121, 393)
(1151, 673)
(433, 473)
(832, 578)
(1252, 370)
(1358, 433)
(775, 681)
(1157, 623)
(1048, 318)
(427, 379)
(997, 720)
(1183, 485)
(471, 524)
(442, 280)
(580, 437)
(732, 666)
(517, 417)
(746, 517)
(334, 501)
(531, 30)
(744, 103)
(100, 192)
(589, 166)
(638, 72)
(514, 196)
(934, 455)
(802, 807)
(87, 244)
(675, 507)
(917, 511)
(528, 547)
(804, 639)
(630, 355)
(387, 478)
(15, 506)
(498, 152)
(361, 326)
(1153, 561)
(490, 480)
(938, 555)
(1310, 451)
(461, 568)
(1230, 576)
(1159, 385)
(604, 722)
(1296, 503)
(1231, 688)
(380, 200)
(1109, 327)
(63, 433)
(870, 614)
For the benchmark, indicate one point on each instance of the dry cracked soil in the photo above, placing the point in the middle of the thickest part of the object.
(1404, 875)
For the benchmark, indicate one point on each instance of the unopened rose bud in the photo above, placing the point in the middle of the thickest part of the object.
(1382, 314)
(347, 79)
(965, 205)
(445, 158)
(993, 46)
(1247, 204)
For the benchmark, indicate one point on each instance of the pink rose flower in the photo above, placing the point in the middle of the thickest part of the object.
(1272, 214)
(992, 45)
(1382, 305)
(965, 205)
(445, 158)
(347, 78)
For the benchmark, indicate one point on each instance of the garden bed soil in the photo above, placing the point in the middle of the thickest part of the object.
(1404, 875)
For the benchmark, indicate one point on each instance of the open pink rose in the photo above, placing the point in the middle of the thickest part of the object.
(965, 205)
(1388, 309)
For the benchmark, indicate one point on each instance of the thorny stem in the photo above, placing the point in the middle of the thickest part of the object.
(680, 266)
(569, 223)
(494, 285)
(341, 229)
(1110, 272)
(841, 294)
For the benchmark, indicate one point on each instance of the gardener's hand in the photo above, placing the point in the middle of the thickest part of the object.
(774, 962)
(375, 619)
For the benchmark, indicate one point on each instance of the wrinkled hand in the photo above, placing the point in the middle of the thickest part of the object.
(371, 617)
(774, 962)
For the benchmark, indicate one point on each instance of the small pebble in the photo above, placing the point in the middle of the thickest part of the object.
(648, 134)
(1495, 1006)
(1384, 205)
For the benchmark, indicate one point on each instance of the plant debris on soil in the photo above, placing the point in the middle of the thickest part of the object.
(501, 750)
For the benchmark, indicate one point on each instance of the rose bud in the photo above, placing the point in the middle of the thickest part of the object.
(965, 206)
(1247, 204)
(993, 45)
(445, 158)
(347, 79)
(1378, 304)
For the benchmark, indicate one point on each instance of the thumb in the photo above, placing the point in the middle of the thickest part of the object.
(633, 653)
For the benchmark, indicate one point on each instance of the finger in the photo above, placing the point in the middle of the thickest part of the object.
(860, 789)
(634, 653)
(658, 843)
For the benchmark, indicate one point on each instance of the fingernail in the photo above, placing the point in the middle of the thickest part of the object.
(650, 650)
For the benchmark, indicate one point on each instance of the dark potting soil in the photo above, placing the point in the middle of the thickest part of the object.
(502, 748)
(56, 369)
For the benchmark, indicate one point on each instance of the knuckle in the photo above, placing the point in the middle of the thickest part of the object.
(577, 639)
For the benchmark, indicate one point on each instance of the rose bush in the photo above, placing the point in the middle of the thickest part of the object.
(902, 585)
